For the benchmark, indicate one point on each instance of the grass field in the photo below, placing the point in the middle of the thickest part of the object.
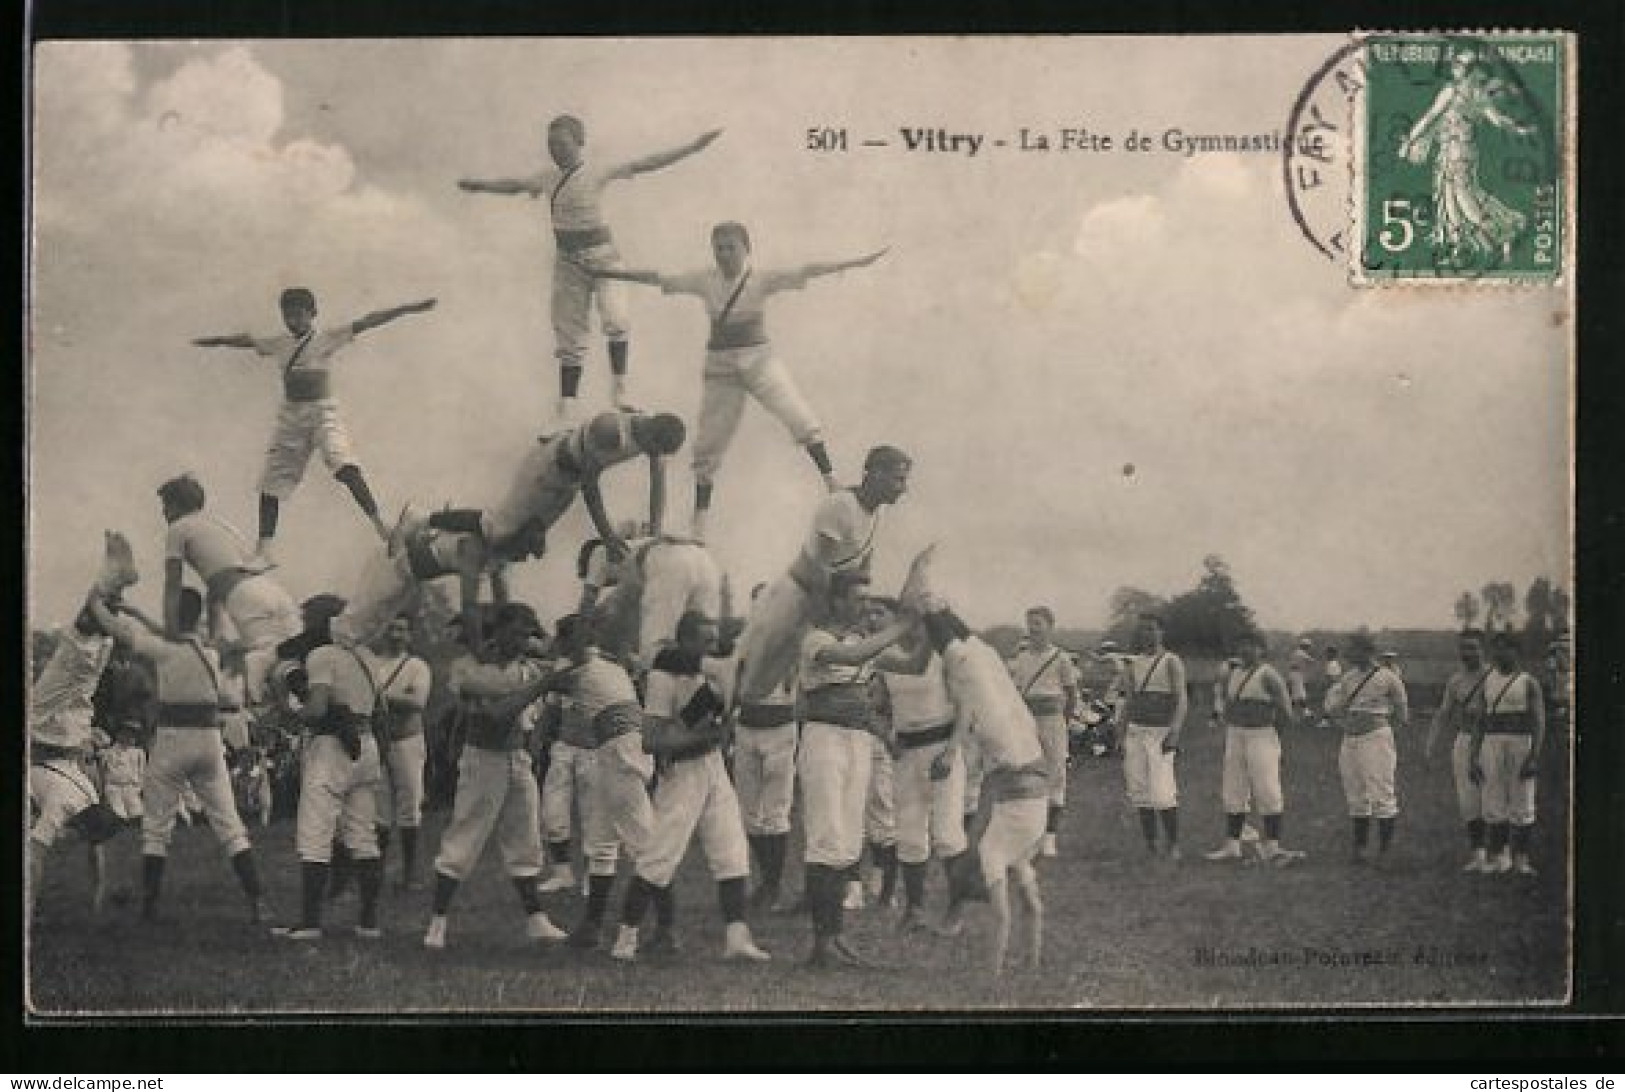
(1123, 932)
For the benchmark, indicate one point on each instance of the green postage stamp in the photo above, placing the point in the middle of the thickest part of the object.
(1463, 159)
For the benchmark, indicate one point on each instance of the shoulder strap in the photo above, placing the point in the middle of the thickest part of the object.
(1483, 677)
(214, 677)
(1371, 675)
(1247, 678)
(299, 350)
(377, 697)
(1039, 674)
(874, 526)
(558, 187)
(393, 675)
(1496, 704)
(727, 308)
(1152, 670)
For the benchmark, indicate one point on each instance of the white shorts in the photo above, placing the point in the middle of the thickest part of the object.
(1014, 832)
(303, 428)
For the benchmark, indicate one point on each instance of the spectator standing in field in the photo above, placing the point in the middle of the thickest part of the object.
(1369, 703)
(1509, 727)
(1461, 693)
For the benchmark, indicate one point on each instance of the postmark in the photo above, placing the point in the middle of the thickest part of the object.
(1461, 159)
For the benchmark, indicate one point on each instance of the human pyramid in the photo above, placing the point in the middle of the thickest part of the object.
(641, 736)
(658, 729)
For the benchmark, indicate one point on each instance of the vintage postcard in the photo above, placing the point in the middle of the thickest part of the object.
(742, 525)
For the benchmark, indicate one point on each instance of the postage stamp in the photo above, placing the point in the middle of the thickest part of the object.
(1462, 159)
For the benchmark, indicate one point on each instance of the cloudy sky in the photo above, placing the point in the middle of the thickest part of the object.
(1043, 321)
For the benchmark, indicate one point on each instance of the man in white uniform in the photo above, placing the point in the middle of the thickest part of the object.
(584, 245)
(1048, 681)
(496, 782)
(660, 579)
(601, 749)
(1509, 726)
(764, 763)
(836, 758)
(739, 360)
(261, 611)
(187, 751)
(841, 540)
(685, 730)
(309, 419)
(1255, 704)
(1152, 721)
(61, 795)
(404, 682)
(1368, 704)
(1461, 692)
(988, 705)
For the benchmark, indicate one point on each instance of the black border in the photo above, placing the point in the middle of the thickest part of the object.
(1481, 1041)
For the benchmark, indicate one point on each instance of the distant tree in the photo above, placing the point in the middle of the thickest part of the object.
(1500, 604)
(1560, 610)
(1467, 609)
(1537, 611)
(1206, 619)
(1126, 605)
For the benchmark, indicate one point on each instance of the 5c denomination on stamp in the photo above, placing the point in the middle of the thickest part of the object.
(1461, 159)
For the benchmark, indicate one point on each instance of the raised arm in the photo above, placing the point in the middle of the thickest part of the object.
(649, 277)
(824, 269)
(851, 655)
(225, 341)
(660, 160)
(657, 494)
(530, 186)
(390, 314)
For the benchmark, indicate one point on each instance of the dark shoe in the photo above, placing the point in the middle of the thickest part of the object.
(844, 956)
(662, 945)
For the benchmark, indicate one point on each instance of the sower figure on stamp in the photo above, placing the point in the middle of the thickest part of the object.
(61, 795)
(187, 750)
(496, 783)
(1153, 719)
(309, 420)
(1048, 681)
(841, 540)
(685, 730)
(584, 245)
(1509, 726)
(1368, 704)
(739, 360)
(260, 609)
(1255, 705)
(1461, 694)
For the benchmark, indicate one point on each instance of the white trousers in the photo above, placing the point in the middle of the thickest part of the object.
(677, 577)
(764, 777)
(566, 788)
(731, 375)
(1469, 797)
(183, 757)
(695, 795)
(834, 768)
(930, 814)
(1252, 771)
(1147, 769)
(1052, 737)
(1014, 832)
(57, 790)
(496, 792)
(617, 814)
(303, 428)
(574, 292)
(1508, 797)
(338, 797)
(400, 786)
(385, 588)
(880, 809)
(1367, 764)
